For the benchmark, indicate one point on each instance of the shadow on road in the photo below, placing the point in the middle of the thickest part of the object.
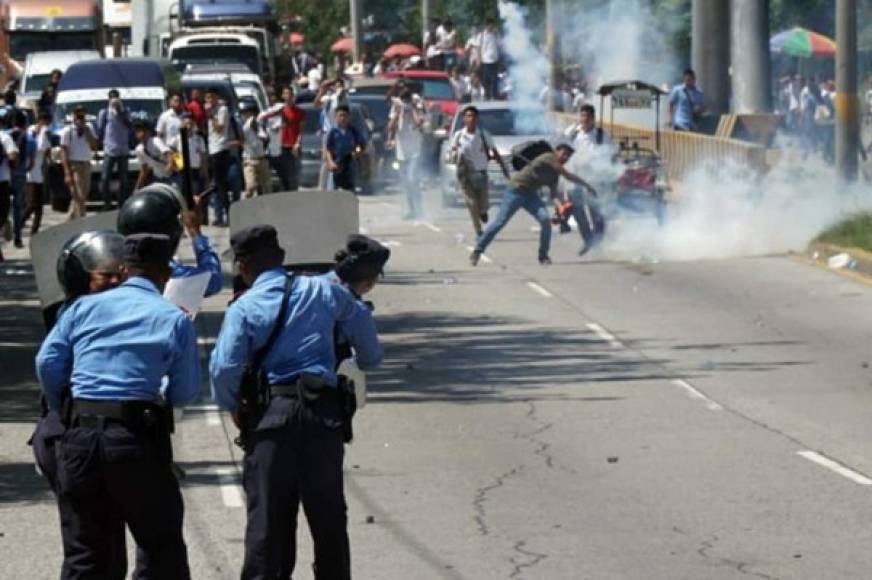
(19, 482)
(23, 331)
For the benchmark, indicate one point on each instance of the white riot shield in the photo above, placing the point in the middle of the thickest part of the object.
(311, 224)
(45, 248)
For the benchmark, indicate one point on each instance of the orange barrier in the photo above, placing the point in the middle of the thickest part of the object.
(682, 151)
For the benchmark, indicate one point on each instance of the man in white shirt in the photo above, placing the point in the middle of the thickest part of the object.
(593, 157)
(10, 154)
(272, 122)
(446, 44)
(471, 149)
(489, 56)
(155, 157)
(218, 126)
(78, 143)
(169, 124)
(407, 118)
(255, 166)
(36, 177)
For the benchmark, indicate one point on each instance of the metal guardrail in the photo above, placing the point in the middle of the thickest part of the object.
(682, 151)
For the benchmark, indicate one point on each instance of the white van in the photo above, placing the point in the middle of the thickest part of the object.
(215, 49)
(39, 66)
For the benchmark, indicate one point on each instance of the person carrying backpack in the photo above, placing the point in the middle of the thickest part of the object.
(471, 149)
(524, 186)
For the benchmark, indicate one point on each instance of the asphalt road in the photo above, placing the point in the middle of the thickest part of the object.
(588, 420)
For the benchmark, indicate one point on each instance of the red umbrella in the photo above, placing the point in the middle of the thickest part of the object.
(297, 38)
(402, 50)
(342, 45)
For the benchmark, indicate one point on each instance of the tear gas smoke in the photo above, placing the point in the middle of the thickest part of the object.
(723, 210)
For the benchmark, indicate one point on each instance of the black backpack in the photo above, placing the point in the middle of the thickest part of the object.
(524, 153)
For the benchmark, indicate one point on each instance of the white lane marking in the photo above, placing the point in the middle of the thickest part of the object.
(697, 394)
(22, 303)
(19, 344)
(483, 257)
(604, 334)
(390, 243)
(835, 466)
(429, 226)
(206, 340)
(539, 290)
(228, 481)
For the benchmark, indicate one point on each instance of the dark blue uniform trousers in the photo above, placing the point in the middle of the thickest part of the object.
(296, 458)
(49, 429)
(110, 475)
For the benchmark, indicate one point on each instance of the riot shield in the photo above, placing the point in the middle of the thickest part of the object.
(45, 248)
(311, 224)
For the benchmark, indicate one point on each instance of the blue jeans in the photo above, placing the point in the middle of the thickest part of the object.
(112, 164)
(18, 184)
(513, 200)
(411, 184)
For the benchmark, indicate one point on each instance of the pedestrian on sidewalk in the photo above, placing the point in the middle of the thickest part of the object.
(8, 158)
(292, 121)
(115, 456)
(78, 143)
(405, 134)
(36, 176)
(542, 172)
(258, 179)
(114, 128)
(19, 173)
(155, 157)
(471, 150)
(343, 146)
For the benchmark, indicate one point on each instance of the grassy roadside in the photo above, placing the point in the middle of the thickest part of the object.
(854, 232)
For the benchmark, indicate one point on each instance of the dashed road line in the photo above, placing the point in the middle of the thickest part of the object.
(539, 290)
(605, 335)
(697, 394)
(429, 226)
(390, 243)
(228, 481)
(835, 466)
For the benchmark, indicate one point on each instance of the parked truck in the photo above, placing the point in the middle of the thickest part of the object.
(28, 26)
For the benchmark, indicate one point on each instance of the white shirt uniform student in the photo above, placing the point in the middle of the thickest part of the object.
(151, 153)
(488, 47)
(472, 147)
(169, 125)
(253, 147)
(218, 139)
(79, 146)
(408, 136)
(43, 146)
(8, 147)
(273, 130)
(196, 148)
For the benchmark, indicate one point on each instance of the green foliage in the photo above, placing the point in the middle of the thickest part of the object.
(855, 232)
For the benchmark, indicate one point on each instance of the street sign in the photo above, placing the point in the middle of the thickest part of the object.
(631, 99)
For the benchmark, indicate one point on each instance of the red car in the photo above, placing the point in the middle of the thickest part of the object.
(437, 91)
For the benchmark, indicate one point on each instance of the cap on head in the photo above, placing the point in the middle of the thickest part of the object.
(147, 249)
(260, 239)
(362, 258)
(87, 252)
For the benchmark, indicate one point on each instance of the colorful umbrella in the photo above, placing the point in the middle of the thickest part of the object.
(802, 43)
(402, 50)
(342, 45)
(297, 38)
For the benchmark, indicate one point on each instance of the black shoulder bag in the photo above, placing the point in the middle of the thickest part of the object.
(254, 386)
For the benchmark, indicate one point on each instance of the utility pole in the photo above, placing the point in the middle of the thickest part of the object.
(425, 20)
(551, 17)
(847, 107)
(749, 50)
(710, 48)
(356, 31)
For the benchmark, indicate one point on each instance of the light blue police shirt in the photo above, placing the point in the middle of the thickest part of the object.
(305, 345)
(117, 345)
(683, 100)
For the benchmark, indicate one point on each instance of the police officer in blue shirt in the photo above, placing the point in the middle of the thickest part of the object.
(90, 262)
(295, 449)
(111, 350)
(156, 209)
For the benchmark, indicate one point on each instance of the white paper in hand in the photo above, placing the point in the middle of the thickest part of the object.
(188, 293)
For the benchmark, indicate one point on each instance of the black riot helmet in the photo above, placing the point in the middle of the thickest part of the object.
(154, 209)
(93, 251)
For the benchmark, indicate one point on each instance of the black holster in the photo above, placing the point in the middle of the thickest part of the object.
(254, 399)
(348, 405)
